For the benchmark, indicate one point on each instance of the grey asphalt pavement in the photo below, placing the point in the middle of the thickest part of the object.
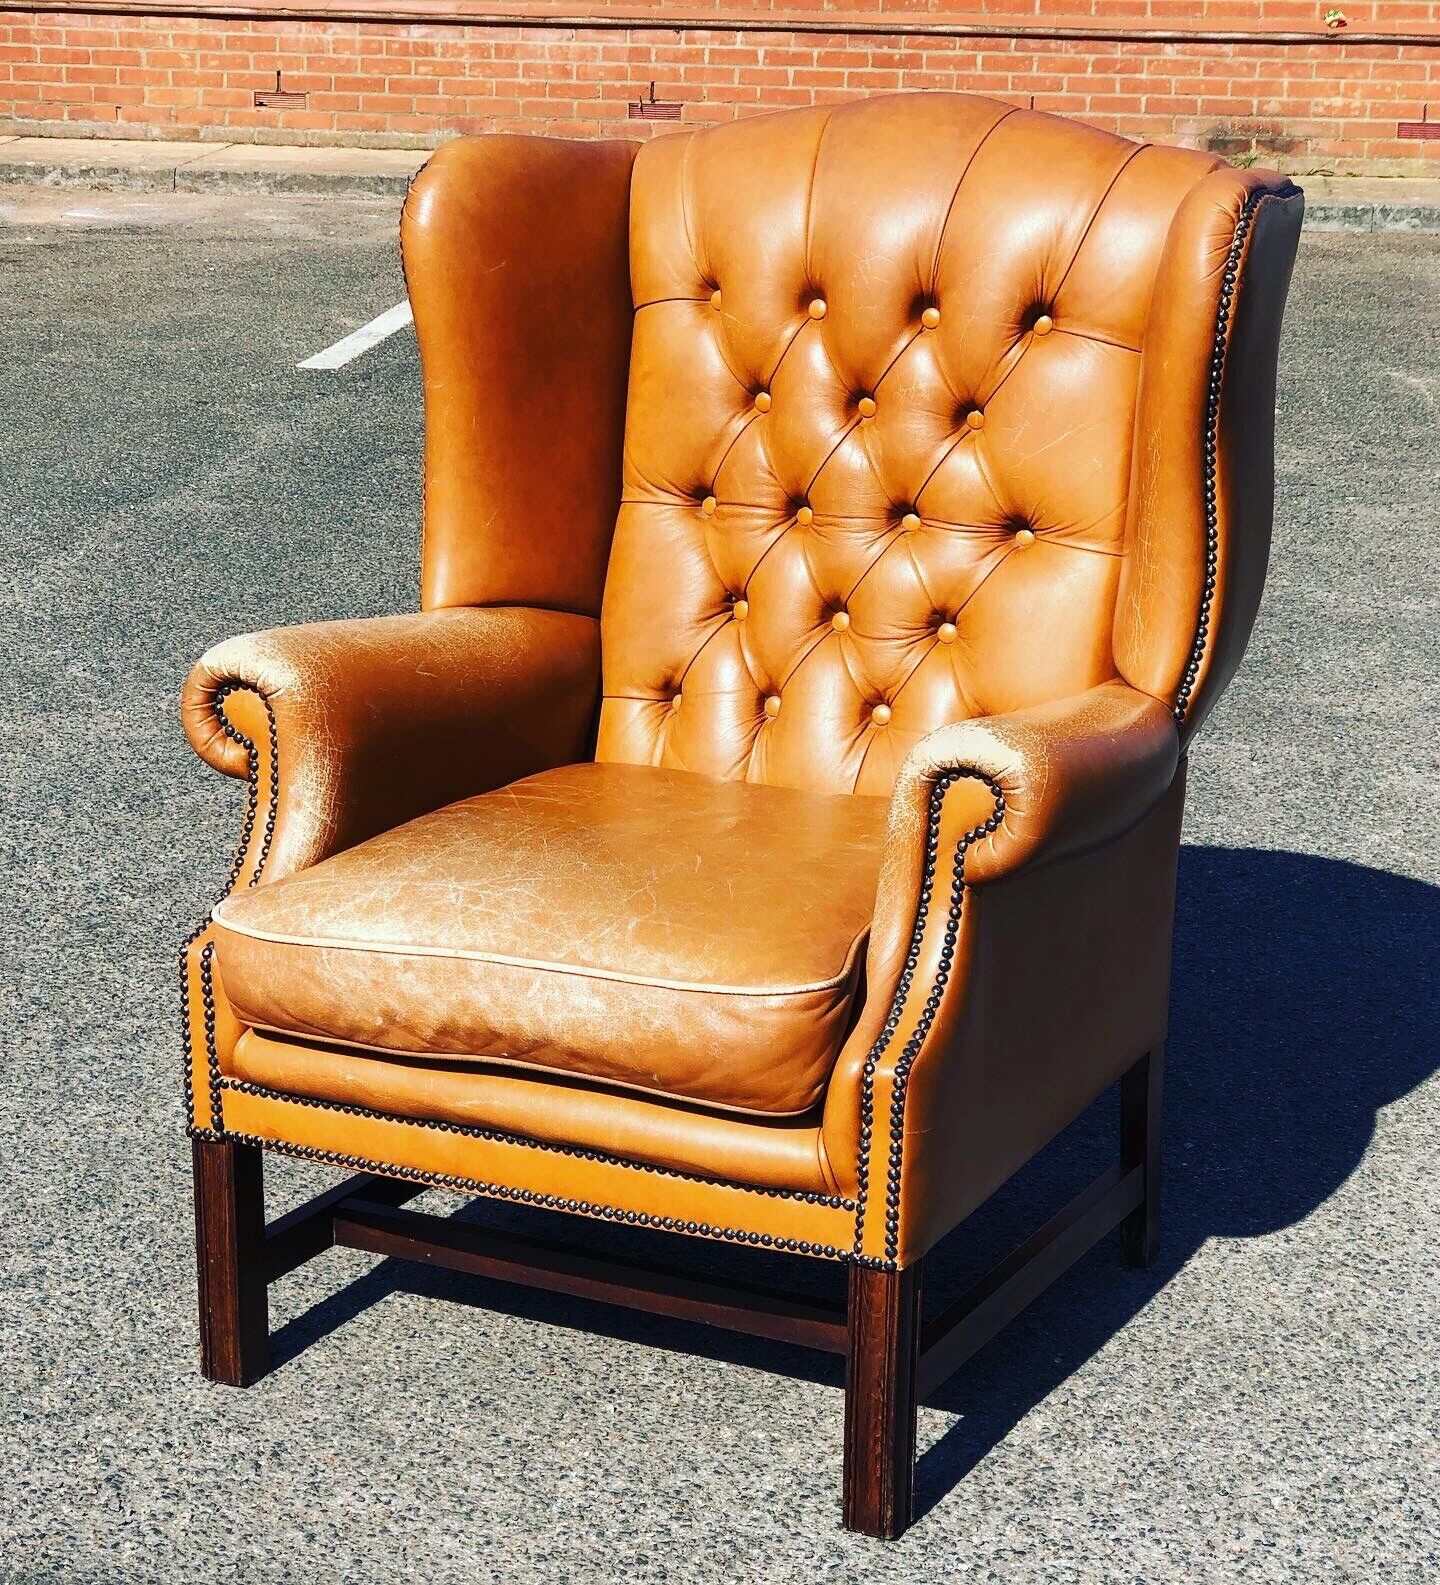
(1262, 1406)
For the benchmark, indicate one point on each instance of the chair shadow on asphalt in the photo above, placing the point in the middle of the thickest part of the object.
(1299, 1008)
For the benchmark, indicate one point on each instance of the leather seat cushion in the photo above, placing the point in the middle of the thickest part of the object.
(650, 928)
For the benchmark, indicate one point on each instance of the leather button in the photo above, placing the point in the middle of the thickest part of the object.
(866, 406)
(675, 702)
(880, 715)
(740, 610)
(762, 401)
(910, 522)
(946, 632)
(1024, 537)
(804, 516)
(772, 706)
(975, 419)
(930, 318)
(840, 621)
(707, 506)
(818, 308)
(1043, 325)
(715, 298)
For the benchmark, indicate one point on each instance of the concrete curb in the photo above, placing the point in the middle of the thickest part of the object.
(1333, 203)
(1372, 217)
(1365, 203)
(124, 165)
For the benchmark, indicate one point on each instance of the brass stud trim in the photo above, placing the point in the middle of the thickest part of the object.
(501, 1191)
(895, 1131)
(237, 866)
(1229, 283)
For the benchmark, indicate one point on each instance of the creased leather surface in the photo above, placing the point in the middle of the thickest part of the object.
(804, 445)
(655, 928)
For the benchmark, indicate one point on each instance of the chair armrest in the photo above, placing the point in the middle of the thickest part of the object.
(1061, 777)
(345, 729)
(1006, 836)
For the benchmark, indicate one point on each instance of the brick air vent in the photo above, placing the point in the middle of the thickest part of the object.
(1423, 128)
(653, 109)
(279, 97)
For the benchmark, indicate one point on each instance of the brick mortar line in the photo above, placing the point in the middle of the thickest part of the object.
(838, 24)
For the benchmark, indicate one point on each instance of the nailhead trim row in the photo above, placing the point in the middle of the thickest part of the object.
(212, 1056)
(579, 1152)
(1228, 282)
(500, 1191)
(247, 830)
(923, 1024)
(272, 812)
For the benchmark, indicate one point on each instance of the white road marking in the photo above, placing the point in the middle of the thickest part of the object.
(358, 341)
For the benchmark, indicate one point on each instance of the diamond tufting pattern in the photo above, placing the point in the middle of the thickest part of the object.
(878, 436)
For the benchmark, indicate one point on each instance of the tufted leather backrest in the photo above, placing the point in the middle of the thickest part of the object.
(878, 441)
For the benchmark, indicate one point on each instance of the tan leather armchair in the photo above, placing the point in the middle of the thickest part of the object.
(836, 526)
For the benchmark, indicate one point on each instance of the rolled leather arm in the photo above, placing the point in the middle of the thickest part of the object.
(996, 805)
(1063, 776)
(345, 729)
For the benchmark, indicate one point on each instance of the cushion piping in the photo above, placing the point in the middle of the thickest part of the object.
(405, 949)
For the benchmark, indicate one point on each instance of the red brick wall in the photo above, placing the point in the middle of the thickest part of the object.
(1309, 103)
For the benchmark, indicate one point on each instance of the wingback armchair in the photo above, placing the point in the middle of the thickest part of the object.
(836, 526)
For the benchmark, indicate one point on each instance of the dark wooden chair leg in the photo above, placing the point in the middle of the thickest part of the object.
(1140, 1139)
(880, 1373)
(230, 1251)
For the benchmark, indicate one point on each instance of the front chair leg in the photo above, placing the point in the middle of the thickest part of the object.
(880, 1369)
(1140, 1138)
(229, 1248)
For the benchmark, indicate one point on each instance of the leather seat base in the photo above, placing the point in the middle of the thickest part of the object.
(784, 1154)
(472, 1161)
